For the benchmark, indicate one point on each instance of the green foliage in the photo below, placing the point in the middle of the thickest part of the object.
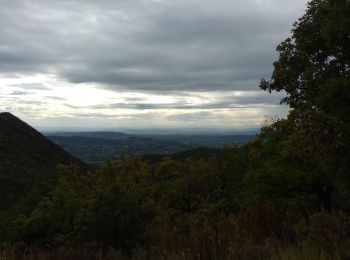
(313, 70)
(284, 171)
(235, 203)
(313, 65)
(77, 211)
(61, 214)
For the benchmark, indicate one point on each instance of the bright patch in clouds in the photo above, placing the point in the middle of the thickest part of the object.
(41, 100)
(141, 63)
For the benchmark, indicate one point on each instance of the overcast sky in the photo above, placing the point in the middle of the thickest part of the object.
(141, 63)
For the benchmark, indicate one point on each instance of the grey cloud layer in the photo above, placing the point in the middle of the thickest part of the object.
(246, 100)
(146, 45)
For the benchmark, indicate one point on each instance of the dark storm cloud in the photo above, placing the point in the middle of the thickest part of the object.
(146, 45)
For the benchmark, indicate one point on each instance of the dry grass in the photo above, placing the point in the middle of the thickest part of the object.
(250, 252)
(293, 253)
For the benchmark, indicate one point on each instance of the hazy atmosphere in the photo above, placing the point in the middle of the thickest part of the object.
(141, 63)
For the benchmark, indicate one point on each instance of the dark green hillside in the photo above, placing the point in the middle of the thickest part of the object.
(28, 161)
(195, 153)
(30, 150)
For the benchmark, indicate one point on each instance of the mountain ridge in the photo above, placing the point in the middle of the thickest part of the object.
(28, 160)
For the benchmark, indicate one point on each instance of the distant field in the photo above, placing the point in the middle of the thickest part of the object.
(97, 147)
(207, 140)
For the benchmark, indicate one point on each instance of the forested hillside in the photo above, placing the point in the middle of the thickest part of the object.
(285, 195)
(28, 160)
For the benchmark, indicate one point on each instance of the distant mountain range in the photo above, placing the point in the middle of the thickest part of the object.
(28, 159)
(97, 147)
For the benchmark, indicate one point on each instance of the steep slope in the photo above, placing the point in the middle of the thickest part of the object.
(28, 161)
